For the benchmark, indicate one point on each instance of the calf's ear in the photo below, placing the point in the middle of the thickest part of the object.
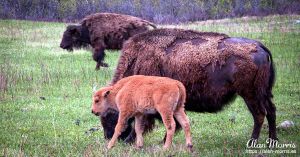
(105, 94)
(94, 89)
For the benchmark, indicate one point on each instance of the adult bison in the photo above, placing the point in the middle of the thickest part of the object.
(213, 67)
(103, 31)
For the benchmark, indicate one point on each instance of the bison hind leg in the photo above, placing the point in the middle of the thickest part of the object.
(257, 108)
(271, 117)
(98, 56)
(260, 105)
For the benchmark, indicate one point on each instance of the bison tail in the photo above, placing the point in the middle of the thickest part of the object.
(265, 76)
(271, 71)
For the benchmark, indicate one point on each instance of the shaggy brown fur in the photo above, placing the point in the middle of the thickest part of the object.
(139, 95)
(103, 31)
(212, 66)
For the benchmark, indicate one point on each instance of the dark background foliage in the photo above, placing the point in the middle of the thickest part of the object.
(158, 11)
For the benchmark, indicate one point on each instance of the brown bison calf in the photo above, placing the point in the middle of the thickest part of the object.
(103, 31)
(138, 95)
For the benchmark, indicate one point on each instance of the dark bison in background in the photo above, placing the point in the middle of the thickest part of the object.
(213, 67)
(103, 31)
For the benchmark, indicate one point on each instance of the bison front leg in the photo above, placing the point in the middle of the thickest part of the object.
(98, 56)
(122, 120)
(109, 122)
(148, 125)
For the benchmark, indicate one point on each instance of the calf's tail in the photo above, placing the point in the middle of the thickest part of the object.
(182, 92)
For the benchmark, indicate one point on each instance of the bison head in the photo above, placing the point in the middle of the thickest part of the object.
(76, 36)
(101, 103)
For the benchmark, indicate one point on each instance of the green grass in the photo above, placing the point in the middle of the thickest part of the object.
(32, 66)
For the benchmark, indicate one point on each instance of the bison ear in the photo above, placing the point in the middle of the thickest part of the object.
(106, 94)
(74, 30)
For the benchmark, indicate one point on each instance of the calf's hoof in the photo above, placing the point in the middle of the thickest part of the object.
(166, 147)
(190, 147)
(109, 146)
(138, 147)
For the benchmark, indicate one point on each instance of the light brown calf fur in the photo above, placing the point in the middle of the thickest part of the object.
(138, 95)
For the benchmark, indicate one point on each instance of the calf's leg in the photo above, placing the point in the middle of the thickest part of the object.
(169, 123)
(122, 120)
(184, 122)
(139, 131)
(177, 128)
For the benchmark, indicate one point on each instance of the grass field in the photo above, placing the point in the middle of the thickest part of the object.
(45, 94)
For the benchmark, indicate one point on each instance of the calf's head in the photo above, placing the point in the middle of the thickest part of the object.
(101, 104)
(75, 36)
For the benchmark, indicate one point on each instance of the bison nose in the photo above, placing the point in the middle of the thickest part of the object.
(61, 46)
(95, 113)
(64, 46)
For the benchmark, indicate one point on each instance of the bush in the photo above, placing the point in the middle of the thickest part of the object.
(158, 11)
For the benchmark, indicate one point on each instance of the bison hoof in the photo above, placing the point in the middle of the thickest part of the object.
(101, 64)
(97, 66)
(104, 64)
(130, 139)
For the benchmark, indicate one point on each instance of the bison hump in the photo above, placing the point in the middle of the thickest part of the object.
(102, 25)
(186, 48)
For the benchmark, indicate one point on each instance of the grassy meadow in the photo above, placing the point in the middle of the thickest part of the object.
(45, 94)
